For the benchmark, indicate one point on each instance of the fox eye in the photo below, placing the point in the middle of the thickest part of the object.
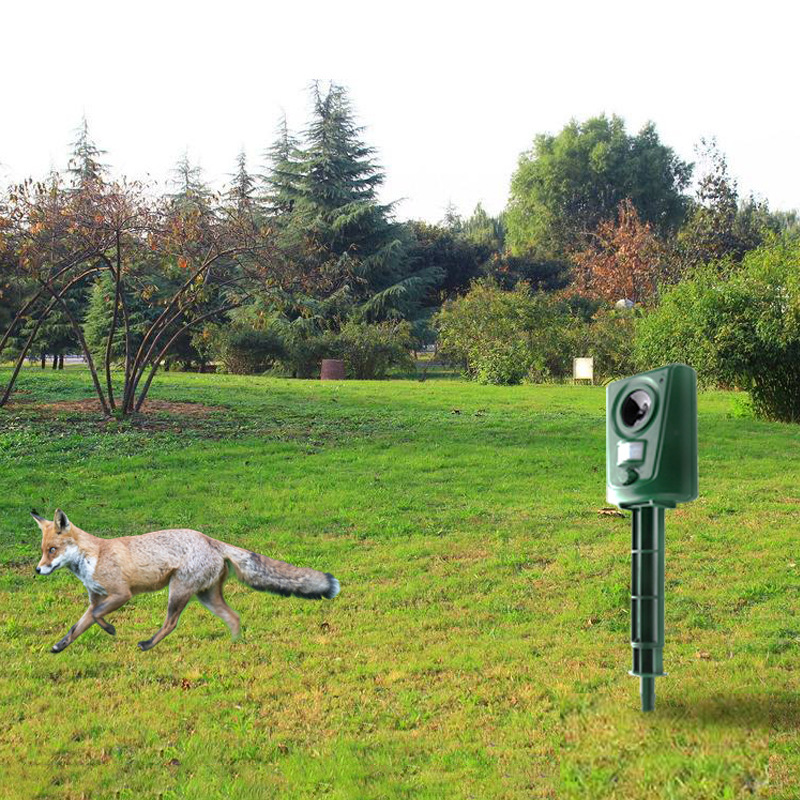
(51, 550)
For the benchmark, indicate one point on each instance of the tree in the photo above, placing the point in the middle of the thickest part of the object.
(84, 165)
(624, 260)
(186, 263)
(54, 337)
(719, 225)
(458, 259)
(282, 175)
(241, 189)
(484, 230)
(569, 183)
(53, 236)
(191, 190)
(452, 219)
(197, 266)
(12, 280)
(333, 221)
(787, 222)
(344, 228)
(98, 317)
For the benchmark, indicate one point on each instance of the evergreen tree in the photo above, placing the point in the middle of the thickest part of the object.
(338, 221)
(191, 190)
(452, 219)
(97, 321)
(485, 230)
(241, 189)
(99, 315)
(720, 225)
(460, 259)
(283, 174)
(55, 337)
(84, 165)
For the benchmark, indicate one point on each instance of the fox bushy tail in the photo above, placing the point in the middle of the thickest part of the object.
(268, 575)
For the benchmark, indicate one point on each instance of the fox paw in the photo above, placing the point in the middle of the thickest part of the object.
(58, 646)
(145, 645)
(109, 629)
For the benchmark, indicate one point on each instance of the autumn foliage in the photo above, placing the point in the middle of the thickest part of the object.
(186, 263)
(624, 261)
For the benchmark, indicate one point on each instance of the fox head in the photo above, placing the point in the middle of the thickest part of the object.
(58, 543)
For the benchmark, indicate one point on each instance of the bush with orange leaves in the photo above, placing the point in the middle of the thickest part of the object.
(625, 260)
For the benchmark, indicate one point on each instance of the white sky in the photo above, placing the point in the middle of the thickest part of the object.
(450, 92)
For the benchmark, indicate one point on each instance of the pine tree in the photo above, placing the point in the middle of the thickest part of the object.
(484, 230)
(85, 166)
(241, 189)
(720, 225)
(190, 189)
(98, 318)
(452, 219)
(282, 176)
(97, 322)
(336, 214)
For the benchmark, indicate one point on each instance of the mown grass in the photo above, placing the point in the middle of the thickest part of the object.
(479, 647)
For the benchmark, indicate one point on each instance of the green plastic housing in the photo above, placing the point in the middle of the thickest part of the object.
(651, 464)
(651, 458)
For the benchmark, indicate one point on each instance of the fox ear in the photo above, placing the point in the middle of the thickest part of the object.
(61, 522)
(40, 521)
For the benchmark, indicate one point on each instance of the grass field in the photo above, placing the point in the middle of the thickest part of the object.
(479, 647)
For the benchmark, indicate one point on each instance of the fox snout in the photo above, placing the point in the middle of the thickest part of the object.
(44, 569)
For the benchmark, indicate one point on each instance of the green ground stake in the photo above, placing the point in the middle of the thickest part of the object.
(651, 464)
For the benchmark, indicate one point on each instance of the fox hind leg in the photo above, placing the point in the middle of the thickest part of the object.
(213, 600)
(179, 596)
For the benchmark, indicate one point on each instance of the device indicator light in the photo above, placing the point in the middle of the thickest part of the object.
(630, 451)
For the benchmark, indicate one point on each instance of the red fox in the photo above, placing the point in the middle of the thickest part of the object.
(191, 563)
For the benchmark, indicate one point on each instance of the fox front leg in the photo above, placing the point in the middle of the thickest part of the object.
(92, 614)
(86, 621)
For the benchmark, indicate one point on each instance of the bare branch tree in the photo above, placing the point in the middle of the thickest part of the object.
(184, 263)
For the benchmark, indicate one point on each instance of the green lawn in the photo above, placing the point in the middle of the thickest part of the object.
(479, 646)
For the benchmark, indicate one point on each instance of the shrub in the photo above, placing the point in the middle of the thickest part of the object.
(609, 339)
(369, 351)
(247, 351)
(737, 326)
(304, 354)
(503, 336)
(682, 327)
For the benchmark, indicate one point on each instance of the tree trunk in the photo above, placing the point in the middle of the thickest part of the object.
(117, 288)
(156, 362)
(61, 361)
(86, 352)
(55, 362)
(27, 346)
(44, 360)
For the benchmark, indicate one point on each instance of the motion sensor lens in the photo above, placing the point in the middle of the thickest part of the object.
(636, 408)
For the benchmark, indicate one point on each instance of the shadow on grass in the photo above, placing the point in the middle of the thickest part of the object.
(775, 710)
